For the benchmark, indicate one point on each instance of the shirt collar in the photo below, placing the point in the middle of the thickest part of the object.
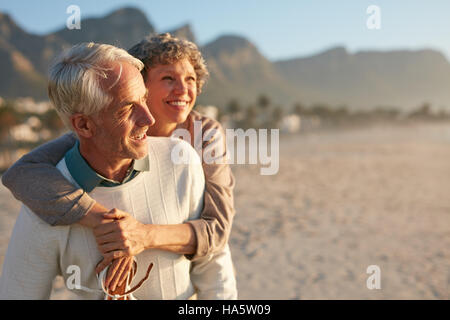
(87, 178)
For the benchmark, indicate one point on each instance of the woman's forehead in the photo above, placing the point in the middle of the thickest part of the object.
(182, 65)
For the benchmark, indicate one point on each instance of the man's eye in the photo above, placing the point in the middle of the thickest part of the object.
(167, 78)
(126, 110)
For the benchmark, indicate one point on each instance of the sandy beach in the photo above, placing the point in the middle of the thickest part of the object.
(342, 200)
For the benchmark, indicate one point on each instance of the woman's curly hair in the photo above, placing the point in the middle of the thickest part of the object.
(166, 49)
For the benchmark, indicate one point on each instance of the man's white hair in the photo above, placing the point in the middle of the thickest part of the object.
(74, 78)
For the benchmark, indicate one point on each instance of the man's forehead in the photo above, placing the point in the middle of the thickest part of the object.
(123, 80)
(113, 71)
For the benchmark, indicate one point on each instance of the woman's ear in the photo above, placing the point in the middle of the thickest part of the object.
(83, 125)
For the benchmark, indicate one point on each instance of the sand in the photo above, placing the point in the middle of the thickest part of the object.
(342, 200)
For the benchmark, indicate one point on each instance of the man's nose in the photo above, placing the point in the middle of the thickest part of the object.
(145, 118)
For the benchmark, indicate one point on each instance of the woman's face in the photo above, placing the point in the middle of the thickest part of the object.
(172, 91)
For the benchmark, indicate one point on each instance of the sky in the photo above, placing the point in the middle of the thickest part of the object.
(280, 29)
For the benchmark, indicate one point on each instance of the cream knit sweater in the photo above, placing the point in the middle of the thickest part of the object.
(166, 194)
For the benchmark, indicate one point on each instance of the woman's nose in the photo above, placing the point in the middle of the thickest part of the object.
(180, 86)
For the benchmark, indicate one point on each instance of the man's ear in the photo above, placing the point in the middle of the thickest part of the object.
(83, 125)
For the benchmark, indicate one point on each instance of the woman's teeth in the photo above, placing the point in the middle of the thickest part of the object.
(177, 103)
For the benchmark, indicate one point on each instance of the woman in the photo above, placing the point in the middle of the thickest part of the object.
(174, 74)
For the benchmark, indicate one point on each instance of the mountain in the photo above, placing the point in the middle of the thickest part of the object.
(122, 28)
(370, 78)
(25, 57)
(183, 32)
(238, 70)
(22, 57)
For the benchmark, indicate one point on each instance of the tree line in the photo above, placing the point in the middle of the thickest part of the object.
(264, 114)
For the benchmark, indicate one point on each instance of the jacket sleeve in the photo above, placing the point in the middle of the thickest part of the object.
(35, 181)
(213, 229)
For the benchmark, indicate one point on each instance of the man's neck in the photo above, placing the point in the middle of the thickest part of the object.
(113, 169)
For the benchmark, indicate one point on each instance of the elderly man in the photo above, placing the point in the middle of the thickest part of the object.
(99, 92)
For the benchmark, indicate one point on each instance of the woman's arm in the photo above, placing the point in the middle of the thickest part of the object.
(35, 181)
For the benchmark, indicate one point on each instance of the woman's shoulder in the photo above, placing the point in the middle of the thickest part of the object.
(207, 122)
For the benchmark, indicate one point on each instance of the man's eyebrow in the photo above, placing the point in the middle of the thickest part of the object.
(126, 102)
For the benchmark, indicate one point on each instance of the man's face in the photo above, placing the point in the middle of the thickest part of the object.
(172, 91)
(121, 127)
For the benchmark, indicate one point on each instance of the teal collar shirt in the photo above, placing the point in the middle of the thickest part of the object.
(88, 179)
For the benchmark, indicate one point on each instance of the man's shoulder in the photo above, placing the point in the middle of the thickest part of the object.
(166, 142)
(30, 222)
(62, 167)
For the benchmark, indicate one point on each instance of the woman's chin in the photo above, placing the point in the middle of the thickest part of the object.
(180, 117)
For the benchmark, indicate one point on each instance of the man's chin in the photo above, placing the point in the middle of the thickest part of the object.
(137, 153)
(141, 154)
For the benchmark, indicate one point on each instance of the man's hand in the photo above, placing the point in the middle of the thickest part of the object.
(121, 236)
(117, 272)
(121, 266)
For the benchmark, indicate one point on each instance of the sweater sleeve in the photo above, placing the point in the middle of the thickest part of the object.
(31, 261)
(35, 181)
(213, 229)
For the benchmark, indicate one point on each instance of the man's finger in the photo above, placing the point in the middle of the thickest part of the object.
(111, 246)
(106, 228)
(126, 270)
(108, 258)
(102, 265)
(119, 273)
(113, 268)
(115, 214)
(107, 238)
